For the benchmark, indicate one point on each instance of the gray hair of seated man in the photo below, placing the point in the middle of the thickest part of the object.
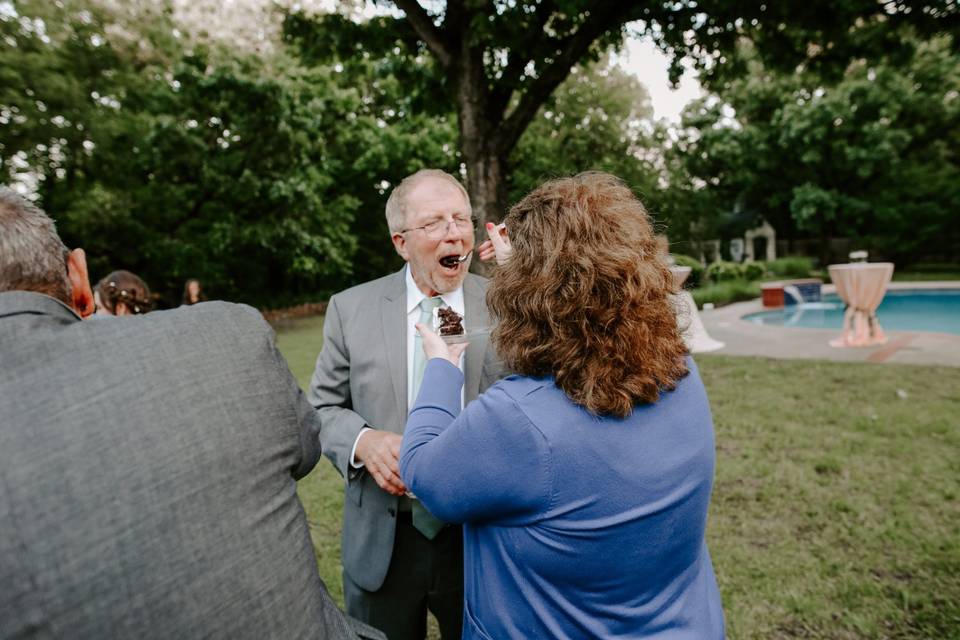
(32, 256)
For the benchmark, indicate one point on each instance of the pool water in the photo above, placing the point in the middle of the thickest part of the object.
(901, 310)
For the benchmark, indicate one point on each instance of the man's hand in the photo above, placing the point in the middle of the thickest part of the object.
(496, 246)
(379, 451)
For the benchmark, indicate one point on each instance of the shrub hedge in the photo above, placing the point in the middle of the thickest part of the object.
(695, 279)
(726, 282)
(791, 267)
(726, 292)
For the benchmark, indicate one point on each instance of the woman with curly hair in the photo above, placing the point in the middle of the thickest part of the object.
(583, 481)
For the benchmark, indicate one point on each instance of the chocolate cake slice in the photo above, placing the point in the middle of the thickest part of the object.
(451, 322)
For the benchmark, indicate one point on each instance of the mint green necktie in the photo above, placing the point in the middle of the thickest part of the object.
(423, 520)
(427, 305)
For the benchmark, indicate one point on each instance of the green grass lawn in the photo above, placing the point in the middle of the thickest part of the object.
(836, 509)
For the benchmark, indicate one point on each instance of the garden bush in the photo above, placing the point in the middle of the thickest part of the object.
(696, 270)
(751, 271)
(724, 272)
(726, 292)
(729, 271)
(791, 267)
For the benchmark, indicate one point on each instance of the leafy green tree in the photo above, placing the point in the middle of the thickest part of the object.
(598, 119)
(61, 82)
(497, 63)
(230, 181)
(870, 156)
(179, 164)
(383, 137)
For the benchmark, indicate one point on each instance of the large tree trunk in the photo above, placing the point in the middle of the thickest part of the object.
(486, 183)
(487, 132)
(481, 146)
(480, 142)
(486, 172)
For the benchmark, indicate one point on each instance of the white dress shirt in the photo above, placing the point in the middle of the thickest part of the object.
(454, 300)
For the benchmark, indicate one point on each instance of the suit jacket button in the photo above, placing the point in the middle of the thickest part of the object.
(392, 512)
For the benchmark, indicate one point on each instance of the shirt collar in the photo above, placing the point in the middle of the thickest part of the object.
(453, 299)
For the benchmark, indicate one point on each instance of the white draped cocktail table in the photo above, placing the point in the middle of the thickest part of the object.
(861, 286)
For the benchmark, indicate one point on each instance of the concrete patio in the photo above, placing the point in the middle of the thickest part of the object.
(744, 338)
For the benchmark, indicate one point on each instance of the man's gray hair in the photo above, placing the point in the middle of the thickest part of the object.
(32, 256)
(397, 202)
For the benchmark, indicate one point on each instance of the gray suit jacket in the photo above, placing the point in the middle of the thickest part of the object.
(361, 379)
(147, 478)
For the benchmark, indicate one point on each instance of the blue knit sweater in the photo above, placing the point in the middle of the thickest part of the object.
(575, 526)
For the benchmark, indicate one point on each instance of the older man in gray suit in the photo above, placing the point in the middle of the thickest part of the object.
(147, 464)
(399, 561)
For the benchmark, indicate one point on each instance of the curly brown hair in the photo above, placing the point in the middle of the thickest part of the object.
(585, 296)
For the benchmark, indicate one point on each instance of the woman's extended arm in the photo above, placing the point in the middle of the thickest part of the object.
(488, 462)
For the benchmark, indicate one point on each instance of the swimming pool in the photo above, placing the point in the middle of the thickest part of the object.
(901, 310)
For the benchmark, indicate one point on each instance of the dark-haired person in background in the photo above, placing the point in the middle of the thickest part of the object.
(583, 482)
(147, 469)
(122, 293)
(192, 292)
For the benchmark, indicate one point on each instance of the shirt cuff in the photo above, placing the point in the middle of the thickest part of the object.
(353, 452)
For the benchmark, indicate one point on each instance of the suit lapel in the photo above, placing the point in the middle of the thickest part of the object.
(475, 311)
(393, 321)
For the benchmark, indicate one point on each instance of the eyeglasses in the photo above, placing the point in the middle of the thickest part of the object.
(439, 228)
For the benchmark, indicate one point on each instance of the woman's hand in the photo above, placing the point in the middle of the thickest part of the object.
(435, 347)
(497, 246)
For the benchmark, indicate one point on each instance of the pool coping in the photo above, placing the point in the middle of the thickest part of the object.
(742, 337)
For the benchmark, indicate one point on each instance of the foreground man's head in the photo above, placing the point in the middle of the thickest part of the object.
(33, 258)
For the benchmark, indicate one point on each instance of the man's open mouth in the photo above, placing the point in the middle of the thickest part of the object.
(452, 261)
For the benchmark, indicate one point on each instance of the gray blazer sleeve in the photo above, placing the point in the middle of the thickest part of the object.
(329, 394)
(307, 418)
(494, 369)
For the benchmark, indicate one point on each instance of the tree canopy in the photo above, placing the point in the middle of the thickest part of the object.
(870, 154)
(497, 63)
(179, 163)
(263, 171)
